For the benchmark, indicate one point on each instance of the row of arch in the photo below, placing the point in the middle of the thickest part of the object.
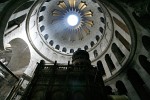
(119, 84)
(136, 80)
(115, 49)
(46, 36)
(109, 63)
(120, 56)
(51, 42)
(137, 83)
(117, 52)
(134, 77)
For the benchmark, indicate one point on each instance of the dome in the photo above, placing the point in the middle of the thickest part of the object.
(93, 32)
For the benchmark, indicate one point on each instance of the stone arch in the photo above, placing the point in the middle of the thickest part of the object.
(20, 56)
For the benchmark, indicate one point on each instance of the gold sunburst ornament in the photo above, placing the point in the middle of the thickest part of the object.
(74, 17)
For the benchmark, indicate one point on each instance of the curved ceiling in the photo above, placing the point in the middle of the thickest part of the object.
(59, 34)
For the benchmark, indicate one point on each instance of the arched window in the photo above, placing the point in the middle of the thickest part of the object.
(122, 40)
(71, 51)
(92, 43)
(43, 9)
(109, 62)
(118, 53)
(42, 28)
(102, 20)
(101, 68)
(85, 47)
(121, 88)
(97, 38)
(95, 53)
(100, 10)
(146, 41)
(51, 42)
(41, 18)
(101, 30)
(138, 84)
(144, 63)
(64, 49)
(57, 47)
(46, 36)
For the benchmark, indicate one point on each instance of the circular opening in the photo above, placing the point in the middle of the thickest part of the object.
(72, 20)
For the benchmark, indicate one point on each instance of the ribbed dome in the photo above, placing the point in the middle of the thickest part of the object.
(47, 22)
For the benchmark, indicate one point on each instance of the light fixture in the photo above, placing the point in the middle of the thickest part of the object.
(72, 20)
